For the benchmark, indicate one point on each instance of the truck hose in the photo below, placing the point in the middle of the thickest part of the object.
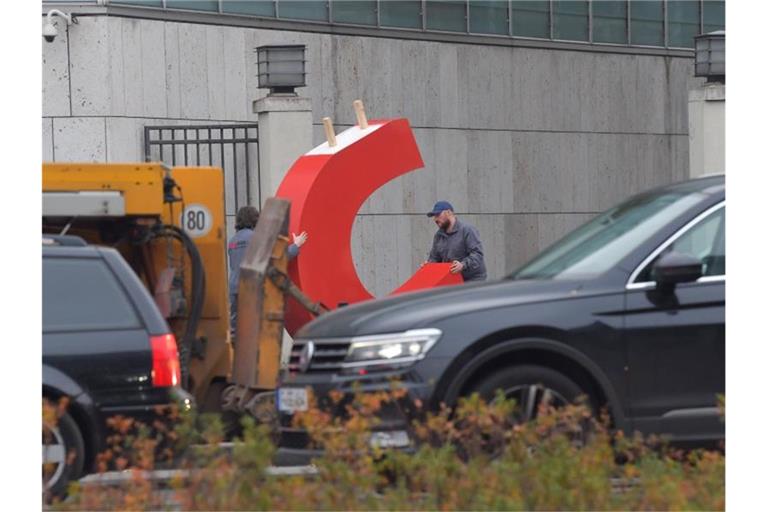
(197, 293)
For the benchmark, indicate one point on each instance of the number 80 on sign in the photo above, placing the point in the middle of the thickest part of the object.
(196, 220)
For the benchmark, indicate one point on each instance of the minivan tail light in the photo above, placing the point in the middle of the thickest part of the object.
(166, 370)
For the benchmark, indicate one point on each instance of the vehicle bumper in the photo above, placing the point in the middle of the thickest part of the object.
(155, 405)
(393, 420)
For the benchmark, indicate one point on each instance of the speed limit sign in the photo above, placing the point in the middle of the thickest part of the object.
(196, 220)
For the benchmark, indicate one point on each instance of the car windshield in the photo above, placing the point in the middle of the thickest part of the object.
(601, 243)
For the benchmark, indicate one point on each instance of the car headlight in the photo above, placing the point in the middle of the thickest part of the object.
(400, 348)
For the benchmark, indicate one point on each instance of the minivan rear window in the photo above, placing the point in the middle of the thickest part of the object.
(84, 294)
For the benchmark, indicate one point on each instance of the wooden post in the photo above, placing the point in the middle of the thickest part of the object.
(329, 133)
(362, 121)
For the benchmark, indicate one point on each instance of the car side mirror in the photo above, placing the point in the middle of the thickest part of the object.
(674, 268)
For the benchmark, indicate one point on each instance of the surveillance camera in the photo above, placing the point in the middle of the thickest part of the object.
(50, 32)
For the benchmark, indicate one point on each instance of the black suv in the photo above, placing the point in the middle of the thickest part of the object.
(628, 310)
(106, 348)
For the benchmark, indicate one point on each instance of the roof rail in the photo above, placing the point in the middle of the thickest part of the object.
(64, 240)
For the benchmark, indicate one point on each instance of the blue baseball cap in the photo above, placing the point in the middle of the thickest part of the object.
(439, 207)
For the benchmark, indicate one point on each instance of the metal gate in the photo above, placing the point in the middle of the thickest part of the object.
(233, 147)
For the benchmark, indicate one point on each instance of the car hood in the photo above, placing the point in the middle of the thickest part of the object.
(419, 309)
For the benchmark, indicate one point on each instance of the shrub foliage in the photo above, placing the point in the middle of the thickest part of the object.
(470, 458)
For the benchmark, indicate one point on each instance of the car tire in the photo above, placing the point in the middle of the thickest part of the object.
(64, 453)
(529, 385)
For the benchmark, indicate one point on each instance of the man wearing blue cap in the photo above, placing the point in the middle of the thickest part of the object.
(457, 243)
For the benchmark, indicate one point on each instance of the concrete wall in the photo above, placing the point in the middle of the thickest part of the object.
(706, 105)
(526, 143)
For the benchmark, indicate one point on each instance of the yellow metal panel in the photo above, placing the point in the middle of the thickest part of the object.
(141, 184)
(202, 189)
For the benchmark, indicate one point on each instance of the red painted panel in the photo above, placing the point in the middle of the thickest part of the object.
(326, 187)
(429, 276)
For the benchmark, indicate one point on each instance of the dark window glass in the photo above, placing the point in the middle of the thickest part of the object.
(362, 12)
(197, 5)
(570, 20)
(705, 241)
(605, 241)
(609, 21)
(401, 13)
(302, 10)
(647, 22)
(255, 7)
(714, 15)
(447, 15)
(530, 19)
(488, 17)
(84, 294)
(151, 3)
(683, 20)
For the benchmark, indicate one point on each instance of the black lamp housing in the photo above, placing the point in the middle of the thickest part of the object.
(710, 56)
(282, 68)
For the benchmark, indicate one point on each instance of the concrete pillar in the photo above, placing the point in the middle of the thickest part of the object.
(285, 133)
(706, 129)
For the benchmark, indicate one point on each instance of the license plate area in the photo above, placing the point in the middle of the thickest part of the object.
(292, 399)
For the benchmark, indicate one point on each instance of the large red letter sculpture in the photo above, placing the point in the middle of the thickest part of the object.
(326, 187)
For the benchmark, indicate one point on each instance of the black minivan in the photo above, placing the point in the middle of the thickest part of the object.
(106, 349)
(628, 309)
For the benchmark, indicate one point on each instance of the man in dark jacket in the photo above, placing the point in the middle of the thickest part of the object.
(245, 222)
(457, 243)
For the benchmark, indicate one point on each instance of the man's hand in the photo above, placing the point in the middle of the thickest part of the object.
(456, 267)
(299, 239)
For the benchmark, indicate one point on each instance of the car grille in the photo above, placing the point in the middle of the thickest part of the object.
(328, 355)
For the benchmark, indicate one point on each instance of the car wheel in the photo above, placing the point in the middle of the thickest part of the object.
(63, 455)
(530, 386)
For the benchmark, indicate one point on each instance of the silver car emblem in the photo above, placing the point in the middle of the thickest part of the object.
(305, 358)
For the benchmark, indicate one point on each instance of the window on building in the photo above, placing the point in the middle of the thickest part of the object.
(714, 15)
(253, 7)
(683, 22)
(147, 3)
(647, 22)
(303, 10)
(448, 15)
(489, 17)
(570, 20)
(361, 12)
(195, 5)
(609, 21)
(530, 18)
(404, 13)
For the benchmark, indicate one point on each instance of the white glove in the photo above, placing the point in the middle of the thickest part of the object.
(299, 239)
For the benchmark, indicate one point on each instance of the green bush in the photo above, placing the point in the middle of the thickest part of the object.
(471, 458)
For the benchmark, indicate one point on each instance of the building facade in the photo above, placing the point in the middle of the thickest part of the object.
(531, 116)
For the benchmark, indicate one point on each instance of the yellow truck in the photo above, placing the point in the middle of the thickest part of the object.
(169, 224)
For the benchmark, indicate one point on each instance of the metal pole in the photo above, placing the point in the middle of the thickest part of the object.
(147, 156)
(197, 140)
(247, 169)
(234, 161)
(186, 145)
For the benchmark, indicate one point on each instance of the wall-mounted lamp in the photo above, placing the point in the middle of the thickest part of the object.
(710, 56)
(281, 68)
